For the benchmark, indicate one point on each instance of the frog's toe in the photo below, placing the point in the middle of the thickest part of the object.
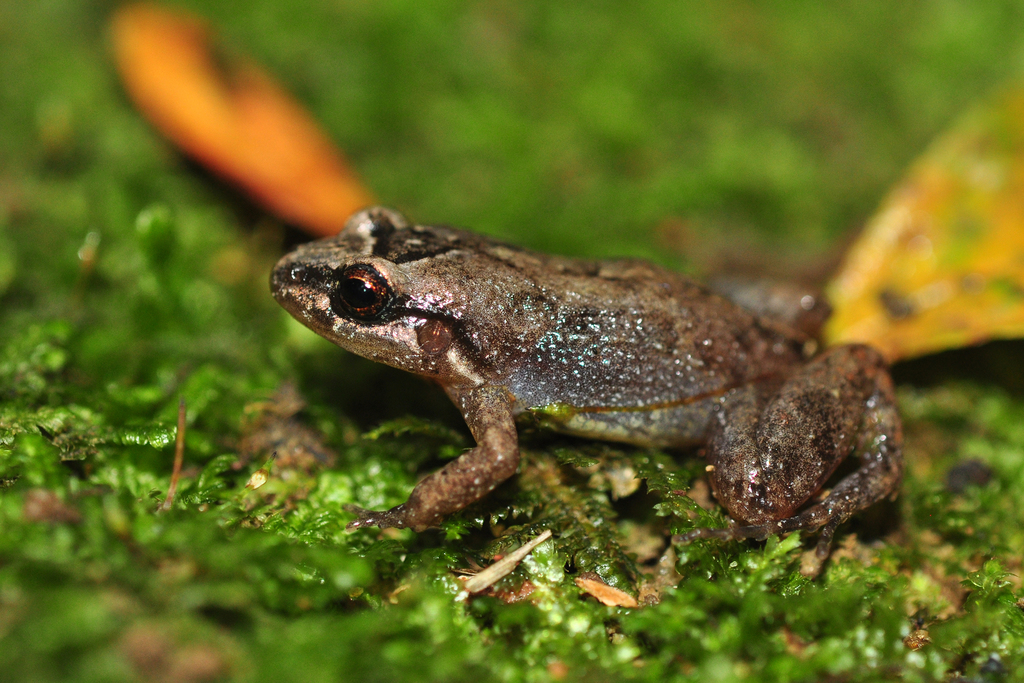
(363, 518)
(815, 517)
(732, 533)
(825, 539)
(385, 519)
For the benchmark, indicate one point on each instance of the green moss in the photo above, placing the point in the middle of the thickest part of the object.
(129, 280)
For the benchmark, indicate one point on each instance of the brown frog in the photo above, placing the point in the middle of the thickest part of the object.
(617, 350)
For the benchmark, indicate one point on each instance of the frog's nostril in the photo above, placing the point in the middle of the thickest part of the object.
(297, 274)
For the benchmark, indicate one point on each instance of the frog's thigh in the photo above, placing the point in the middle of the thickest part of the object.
(800, 308)
(772, 451)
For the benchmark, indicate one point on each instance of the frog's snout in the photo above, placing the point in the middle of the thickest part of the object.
(287, 274)
(292, 282)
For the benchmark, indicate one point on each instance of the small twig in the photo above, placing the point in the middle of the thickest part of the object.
(504, 566)
(179, 457)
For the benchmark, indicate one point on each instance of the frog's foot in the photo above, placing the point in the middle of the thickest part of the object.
(817, 516)
(395, 518)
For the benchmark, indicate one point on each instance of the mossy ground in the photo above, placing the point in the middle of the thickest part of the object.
(700, 135)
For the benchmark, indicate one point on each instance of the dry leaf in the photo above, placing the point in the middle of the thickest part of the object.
(258, 479)
(607, 595)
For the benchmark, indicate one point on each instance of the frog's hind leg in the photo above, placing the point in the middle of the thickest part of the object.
(798, 308)
(771, 451)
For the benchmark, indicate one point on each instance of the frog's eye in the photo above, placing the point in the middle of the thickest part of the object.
(362, 292)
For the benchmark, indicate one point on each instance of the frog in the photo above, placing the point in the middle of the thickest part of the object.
(617, 350)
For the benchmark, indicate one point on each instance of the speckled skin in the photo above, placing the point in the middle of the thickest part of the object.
(619, 350)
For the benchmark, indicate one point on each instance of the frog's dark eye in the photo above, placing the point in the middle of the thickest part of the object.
(362, 293)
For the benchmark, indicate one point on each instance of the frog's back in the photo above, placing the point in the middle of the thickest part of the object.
(596, 334)
(625, 349)
(619, 349)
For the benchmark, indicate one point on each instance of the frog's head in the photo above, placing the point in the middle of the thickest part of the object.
(385, 290)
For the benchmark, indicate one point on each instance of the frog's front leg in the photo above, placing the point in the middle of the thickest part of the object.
(771, 451)
(488, 412)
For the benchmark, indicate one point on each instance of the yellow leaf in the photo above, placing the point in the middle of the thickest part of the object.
(941, 265)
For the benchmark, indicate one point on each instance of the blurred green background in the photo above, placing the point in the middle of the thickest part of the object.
(709, 136)
(576, 127)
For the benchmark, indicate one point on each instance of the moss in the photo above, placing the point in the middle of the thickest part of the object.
(130, 279)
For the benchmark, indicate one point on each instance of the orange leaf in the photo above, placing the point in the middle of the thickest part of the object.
(236, 121)
(607, 595)
(941, 265)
